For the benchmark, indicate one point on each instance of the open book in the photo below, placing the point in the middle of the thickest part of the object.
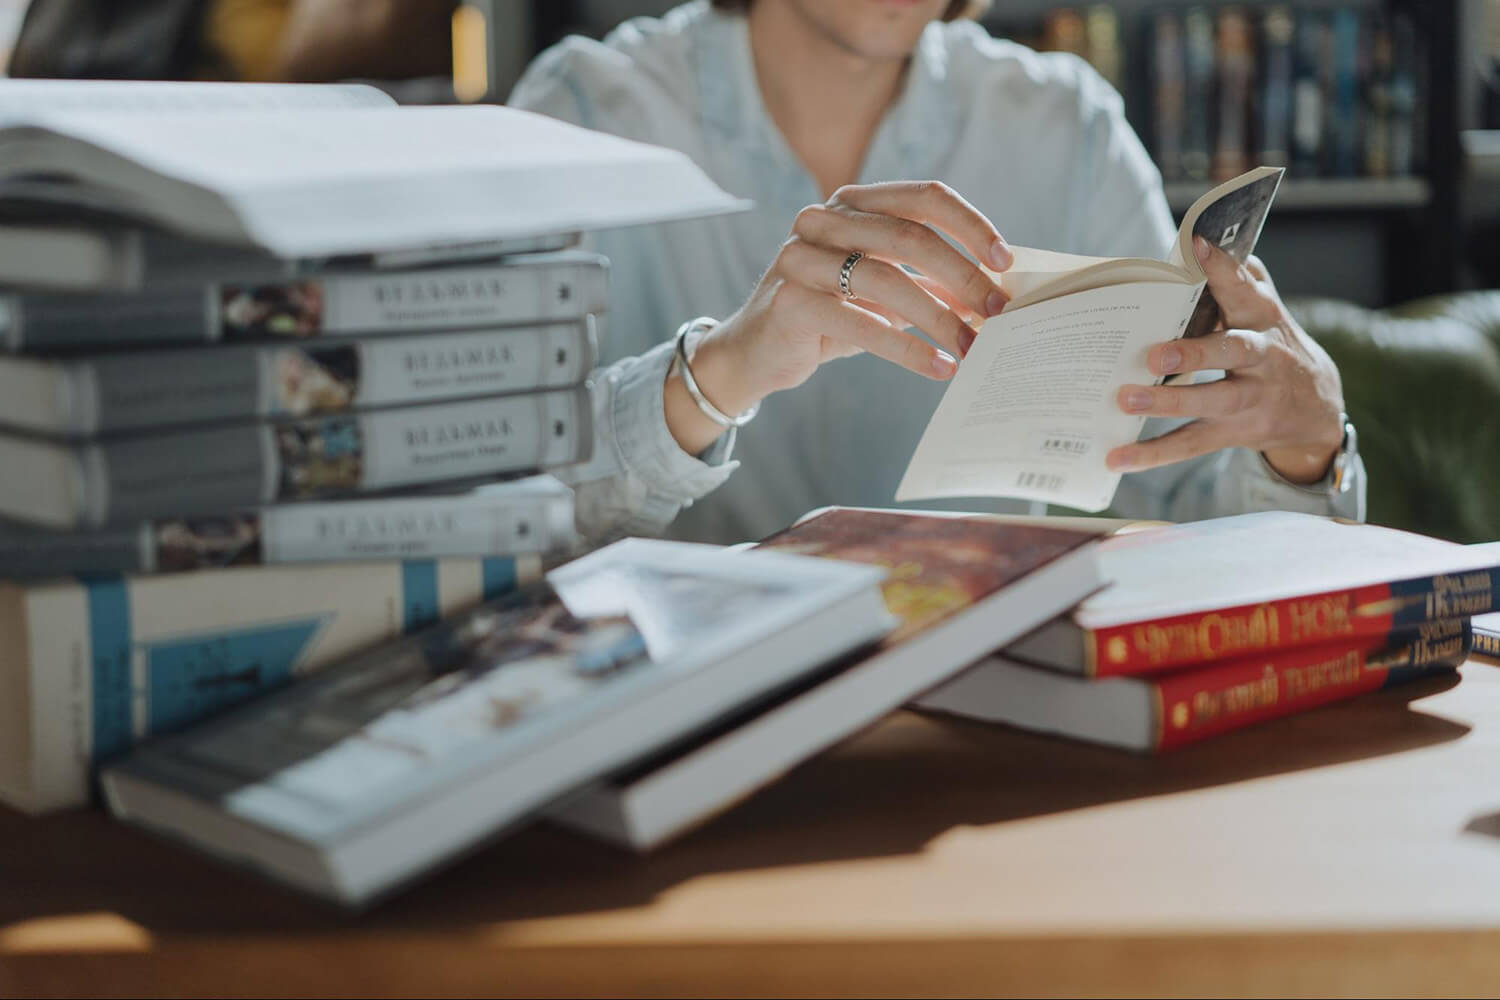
(1032, 411)
(308, 172)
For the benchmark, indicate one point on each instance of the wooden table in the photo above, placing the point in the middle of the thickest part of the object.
(1353, 850)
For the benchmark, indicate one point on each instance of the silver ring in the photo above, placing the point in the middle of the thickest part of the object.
(846, 271)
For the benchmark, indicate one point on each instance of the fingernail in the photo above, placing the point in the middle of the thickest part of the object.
(1000, 255)
(1137, 400)
(943, 364)
(996, 302)
(965, 341)
(1202, 248)
(1171, 360)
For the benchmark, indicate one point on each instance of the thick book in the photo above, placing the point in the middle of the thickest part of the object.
(84, 396)
(533, 288)
(1167, 711)
(1032, 412)
(142, 477)
(531, 516)
(90, 667)
(962, 586)
(313, 182)
(1222, 589)
(352, 783)
(1487, 627)
(39, 252)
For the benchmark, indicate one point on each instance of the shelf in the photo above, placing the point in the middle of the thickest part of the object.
(1353, 194)
(1482, 153)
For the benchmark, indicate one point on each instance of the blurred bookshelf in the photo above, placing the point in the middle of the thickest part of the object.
(1355, 194)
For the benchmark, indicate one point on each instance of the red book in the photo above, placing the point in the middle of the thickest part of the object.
(1233, 587)
(1170, 710)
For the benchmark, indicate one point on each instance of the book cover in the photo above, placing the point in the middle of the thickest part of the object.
(1232, 587)
(533, 288)
(1168, 711)
(145, 477)
(528, 517)
(93, 666)
(145, 390)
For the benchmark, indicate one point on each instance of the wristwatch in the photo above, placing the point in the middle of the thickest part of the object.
(1341, 475)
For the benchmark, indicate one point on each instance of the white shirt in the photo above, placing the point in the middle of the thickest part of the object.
(1037, 142)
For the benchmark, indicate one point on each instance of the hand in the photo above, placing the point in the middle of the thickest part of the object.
(797, 318)
(1281, 393)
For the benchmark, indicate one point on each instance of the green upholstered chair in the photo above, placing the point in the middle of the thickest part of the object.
(1422, 384)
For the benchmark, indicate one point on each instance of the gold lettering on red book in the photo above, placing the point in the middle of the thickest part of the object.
(1213, 636)
(1342, 671)
(1319, 617)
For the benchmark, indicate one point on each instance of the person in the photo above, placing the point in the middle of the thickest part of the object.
(865, 125)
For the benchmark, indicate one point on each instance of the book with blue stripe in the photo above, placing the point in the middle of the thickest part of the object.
(89, 667)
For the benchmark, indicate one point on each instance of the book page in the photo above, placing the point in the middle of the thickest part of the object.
(1229, 217)
(1032, 413)
(149, 95)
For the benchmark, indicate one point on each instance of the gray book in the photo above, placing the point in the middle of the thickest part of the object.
(210, 470)
(132, 391)
(532, 288)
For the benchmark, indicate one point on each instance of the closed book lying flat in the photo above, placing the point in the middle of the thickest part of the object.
(536, 288)
(1166, 711)
(89, 668)
(353, 782)
(40, 254)
(145, 477)
(1487, 627)
(532, 516)
(961, 587)
(1231, 587)
(142, 390)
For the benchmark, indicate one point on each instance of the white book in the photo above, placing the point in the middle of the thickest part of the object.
(962, 586)
(383, 767)
(299, 182)
(1032, 412)
(1487, 627)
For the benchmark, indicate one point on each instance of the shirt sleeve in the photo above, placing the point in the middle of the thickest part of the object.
(639, 477)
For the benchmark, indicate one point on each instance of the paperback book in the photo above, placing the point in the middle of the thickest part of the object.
(353, 782)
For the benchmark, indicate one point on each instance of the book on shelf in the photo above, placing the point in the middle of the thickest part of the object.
(92, 666)
(1032, 412)
(961, 586)
(83, 396)
(1222, 589)
(1309, 93)
(1199, 78)
(209, 470)
(1345, 99)
(351, 783)
(525, 517)
(40, 252)
(1277, 79)
(1169, 93)
(532, 288)
(1235, 56)
(1167, 711)
(311, 182)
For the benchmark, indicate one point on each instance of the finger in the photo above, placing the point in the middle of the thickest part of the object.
(1197, 438)
(848, 324)
(952, 301)
(1223, 398)
(902, 241)
(936, 204)
(1229, 350)
(1234, 286)
(876, 282)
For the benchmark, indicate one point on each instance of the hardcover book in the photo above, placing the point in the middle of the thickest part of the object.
(532, 516)
(961, 587)
(147, 390)
(143, 477)
(1231, 587)
(1167, 711)
(90, 667)
(1487, 627)
(357, 780)
(535, 288)
(1031, 413)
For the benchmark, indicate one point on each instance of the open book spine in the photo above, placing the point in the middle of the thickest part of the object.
(481, 523)
(231, 467)
(1378, 610)
(135, 391)
(1193, 705)
(90, 668)
(528, 289)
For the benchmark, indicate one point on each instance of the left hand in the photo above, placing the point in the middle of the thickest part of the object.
(1281, 393)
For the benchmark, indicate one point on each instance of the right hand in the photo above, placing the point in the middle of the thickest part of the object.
(797, 318)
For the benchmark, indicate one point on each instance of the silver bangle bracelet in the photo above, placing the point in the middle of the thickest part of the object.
(703, 324)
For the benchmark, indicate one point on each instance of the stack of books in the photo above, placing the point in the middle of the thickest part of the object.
(238, 448)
